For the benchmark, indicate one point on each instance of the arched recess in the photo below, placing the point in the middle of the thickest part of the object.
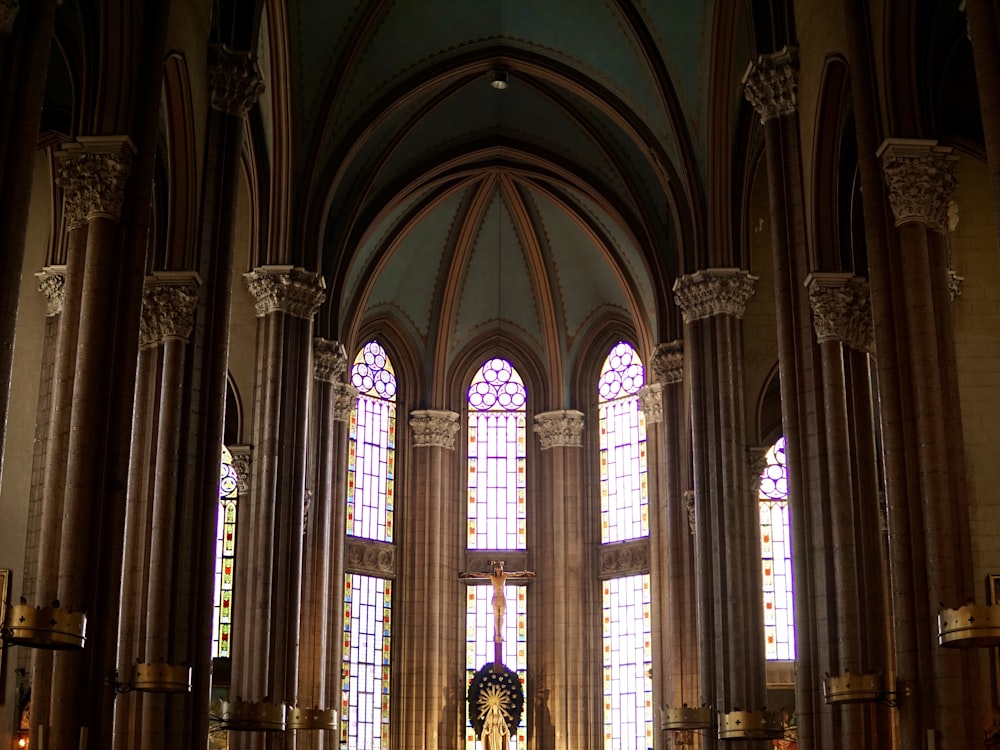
(831, 249)
(181, 188)
(768, 423)
(232, 433)
(453, 385)
(398, 341)
(585, 371)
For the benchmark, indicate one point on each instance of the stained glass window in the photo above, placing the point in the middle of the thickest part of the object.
(367, 631)
(628, 660)
(624, 497)
(225, 551)
(496, 476)
(776, 556)
(372, 446)
(479, 647)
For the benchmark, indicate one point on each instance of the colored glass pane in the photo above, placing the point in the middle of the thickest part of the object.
(776, 556)
(366, 663)
(225, 552)
(628, 660)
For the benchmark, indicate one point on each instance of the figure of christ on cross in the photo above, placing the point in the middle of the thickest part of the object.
(497, 578)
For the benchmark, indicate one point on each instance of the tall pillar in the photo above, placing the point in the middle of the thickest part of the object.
(268, 603)
(726, 545)
(323, 557)
(565, 701)
(929, 535)
(431, 689)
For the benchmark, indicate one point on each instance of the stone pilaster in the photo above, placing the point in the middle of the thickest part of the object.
(841, 308)
(234, 80)
(168, 305)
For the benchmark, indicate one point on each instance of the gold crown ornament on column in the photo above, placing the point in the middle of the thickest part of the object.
(853, 688)
(53, 627)
(750, 725)
(300, 718)
(969, 626)
(686, 718)
(249, 716)
(161, 677)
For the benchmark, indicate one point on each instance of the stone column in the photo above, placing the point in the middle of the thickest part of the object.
(430, 688)
(324, 540)
(269, 567)
(726, 544)
(929, 536)
(565, 699)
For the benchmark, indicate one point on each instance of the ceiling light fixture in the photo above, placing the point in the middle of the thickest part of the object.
(499, 79)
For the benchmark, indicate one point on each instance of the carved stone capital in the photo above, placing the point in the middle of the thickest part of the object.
(8, 12)
(623, 558)
(373, 558)
(234, 80)
(93, 172)
(688, 498)
(756, 463)
(667, 362)
(168, 303)
(433, 427)
(52, 285)
(954, 285)
(651, 402)
(242, 459)
(920, 177)
(329, 360)
(842, 311)
(344, 397)
(771, 84)
(294, 291)
(559, 429)
(713, 291)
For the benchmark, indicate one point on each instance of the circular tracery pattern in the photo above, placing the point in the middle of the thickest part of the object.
(622, 374)
(774, 478)
(497, 386)
(372, 372)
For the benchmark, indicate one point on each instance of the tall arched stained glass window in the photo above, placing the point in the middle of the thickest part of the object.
(776, 556)
(225, 552)
(496, 520)
(627, 630)
(368, 600)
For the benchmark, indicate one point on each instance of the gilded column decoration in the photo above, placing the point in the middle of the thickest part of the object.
(344, 396)
(689, 504)
(651, 402)
(8, 12)
(921, 178)
(841, 308)
(235, 81)
(93, 171)
(168, 304)
(242, 458)
(286, 289)
(329, 360)
(713, 291)
(667, 362)
(771, 84)
(432, 427)
(559, 429)
(52, 285)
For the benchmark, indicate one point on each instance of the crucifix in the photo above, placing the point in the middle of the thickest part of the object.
(497, 578)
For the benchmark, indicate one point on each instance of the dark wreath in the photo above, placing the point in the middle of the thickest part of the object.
(502, 688)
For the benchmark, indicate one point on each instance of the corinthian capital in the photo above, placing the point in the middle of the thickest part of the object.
(841, 308)
(93, 171)
(667, 362)
(434, 428)
(8, 12)
(294, 291)
(651, 402)
(168, 302)
(329, 360)
(344, 396)
(52, 285)
(714, 291)
(234, 80)
(559, 429)
(920, 176)
(771, 84)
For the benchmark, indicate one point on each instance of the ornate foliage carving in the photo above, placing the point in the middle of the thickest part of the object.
(667, 362)
(651, 402)
(168, 304)
(559, 429)
(625, 558)
(329, 360)
(771, 84)
(689, 504)
(344, 396)
(242, 458)
(234, 80)
(434, 428)
(294, 291)
(841, 307)
(920, 176)
(93, 171)
(52, 285)
(372, 558)
(713, 291)
(954, 285)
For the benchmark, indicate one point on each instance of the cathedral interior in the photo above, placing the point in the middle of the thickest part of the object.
(521, 374)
